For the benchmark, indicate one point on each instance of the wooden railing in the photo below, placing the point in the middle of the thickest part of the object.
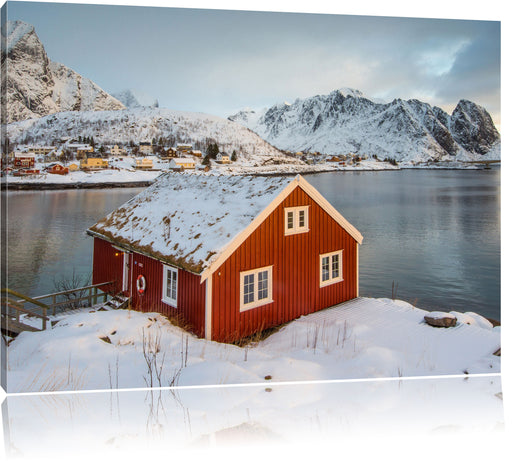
(90, 293)
(14, 304)
(11, 322)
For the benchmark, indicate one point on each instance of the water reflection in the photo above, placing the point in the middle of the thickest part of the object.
(291, 416)
(435, 233)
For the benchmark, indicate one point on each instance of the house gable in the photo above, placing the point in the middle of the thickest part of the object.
(300, 182)
(295, 262)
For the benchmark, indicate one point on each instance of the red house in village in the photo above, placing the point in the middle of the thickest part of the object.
(57, 169)
(229, 255)
(24, 160)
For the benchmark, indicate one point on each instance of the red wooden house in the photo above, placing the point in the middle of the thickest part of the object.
(57, 169)
(229, 255)
(24, 160)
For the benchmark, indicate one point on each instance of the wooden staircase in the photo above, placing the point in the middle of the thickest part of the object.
(117, 302)
(11, 310)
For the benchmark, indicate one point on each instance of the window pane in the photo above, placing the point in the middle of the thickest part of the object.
(290, 220)
(325, 268)
(248, 288)
(335, 266)
(168, 285)
(302, 218)
(174, 285)
(262, 285)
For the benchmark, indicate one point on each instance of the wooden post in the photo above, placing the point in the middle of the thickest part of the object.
(95, 297)
(44, 319)
(54, 301)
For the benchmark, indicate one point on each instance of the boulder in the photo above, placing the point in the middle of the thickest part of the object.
(438, 319)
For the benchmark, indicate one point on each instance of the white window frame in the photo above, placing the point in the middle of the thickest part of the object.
(165, 298)
(331, 280)
(257, 301)
(296, 228)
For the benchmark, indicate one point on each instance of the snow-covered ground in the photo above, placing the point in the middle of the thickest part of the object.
(361, 338)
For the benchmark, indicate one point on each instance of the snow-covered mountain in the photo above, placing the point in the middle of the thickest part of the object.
(134, 98)
(36, 86)
(141, 124)
(345, 121)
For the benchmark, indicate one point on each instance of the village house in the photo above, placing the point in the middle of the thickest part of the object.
(93, 163)
(144, 164)
(228, 256)
(57, 169)
(182, 163)
(184, 148)
(81, 150)
(40, 150)
(73, 167)
(222, 158)
(117, 151)
(145, 147)
(24, 160)
(169, 153)
(197, 153)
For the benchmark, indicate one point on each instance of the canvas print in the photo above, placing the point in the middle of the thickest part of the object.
(208, 197)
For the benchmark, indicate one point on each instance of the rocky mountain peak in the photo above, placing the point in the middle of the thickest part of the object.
(36, 86)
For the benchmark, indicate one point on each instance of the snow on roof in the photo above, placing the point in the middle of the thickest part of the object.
(24, 154)
(183, 160)
(187, 220)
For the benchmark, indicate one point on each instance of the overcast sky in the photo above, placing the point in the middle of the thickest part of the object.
(218, 61)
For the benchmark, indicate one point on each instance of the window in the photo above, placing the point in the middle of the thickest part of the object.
(331, 268)
(296, 220)
(170, 286)
(255, 288)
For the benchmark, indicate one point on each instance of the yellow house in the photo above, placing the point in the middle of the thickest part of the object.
(93, 163)
(117, 151)
(73, 167)
(144, 163)
(182, 162)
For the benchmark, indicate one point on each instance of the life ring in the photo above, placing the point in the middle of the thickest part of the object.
(141, 284)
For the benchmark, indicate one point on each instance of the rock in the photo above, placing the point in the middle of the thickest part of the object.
(437, 319)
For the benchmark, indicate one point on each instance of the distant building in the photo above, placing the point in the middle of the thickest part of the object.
(57, 169)
(223, 158)
(169, 153)
(144, 164)
(93, 163)
(81, 150)
(184, 148)
(24, 160)
(145, 147)
(182, 162)
(117, 151)
(40, 150)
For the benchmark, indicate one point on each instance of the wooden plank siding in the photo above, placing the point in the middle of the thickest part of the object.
(295, 261)
(191, 294)
(107, 265)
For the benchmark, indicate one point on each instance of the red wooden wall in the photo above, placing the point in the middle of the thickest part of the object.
(191, 294)
(296, 273)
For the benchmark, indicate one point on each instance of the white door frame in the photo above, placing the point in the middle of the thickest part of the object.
(126, 271)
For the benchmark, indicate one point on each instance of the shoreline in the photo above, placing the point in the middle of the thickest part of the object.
(47, 186)
(55, 186)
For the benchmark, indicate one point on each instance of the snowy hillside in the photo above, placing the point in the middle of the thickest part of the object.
(37, 86)
(140, 124)
(134, 98)
(345, 121)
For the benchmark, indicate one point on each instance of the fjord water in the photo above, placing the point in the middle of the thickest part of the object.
(433, 233)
